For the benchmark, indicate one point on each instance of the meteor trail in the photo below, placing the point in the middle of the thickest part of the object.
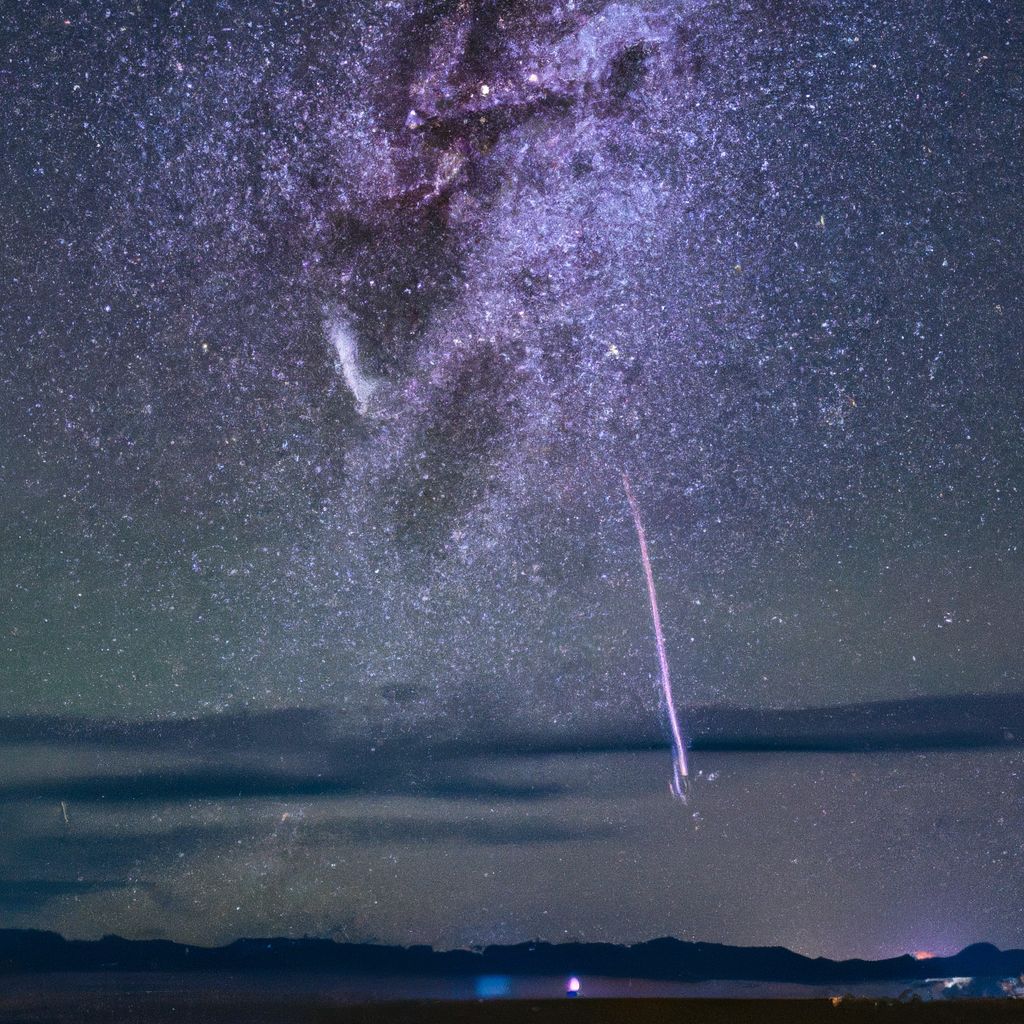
(680, 774)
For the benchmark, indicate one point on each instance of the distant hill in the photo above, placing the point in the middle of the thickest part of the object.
(659, 959)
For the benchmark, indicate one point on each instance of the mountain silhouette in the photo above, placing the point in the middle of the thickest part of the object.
(666, 959)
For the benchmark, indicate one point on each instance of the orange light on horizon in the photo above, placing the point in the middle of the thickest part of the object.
(923, 954)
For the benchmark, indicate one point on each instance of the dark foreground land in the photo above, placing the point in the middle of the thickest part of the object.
(158, 1008)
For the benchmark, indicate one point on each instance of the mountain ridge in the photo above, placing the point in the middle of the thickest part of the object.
(662, 959)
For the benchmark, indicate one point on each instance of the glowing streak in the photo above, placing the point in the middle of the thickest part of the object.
(346, 351)
(680, 773)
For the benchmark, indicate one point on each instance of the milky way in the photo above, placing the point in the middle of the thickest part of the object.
(326, 331)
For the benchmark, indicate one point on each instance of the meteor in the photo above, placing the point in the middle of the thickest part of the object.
(346, 351)
(680, 773)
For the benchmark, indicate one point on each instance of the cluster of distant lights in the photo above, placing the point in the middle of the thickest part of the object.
(496, 986)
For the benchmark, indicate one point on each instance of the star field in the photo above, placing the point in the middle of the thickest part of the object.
(328, 332)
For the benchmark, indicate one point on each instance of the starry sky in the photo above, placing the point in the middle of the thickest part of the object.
(327, 332)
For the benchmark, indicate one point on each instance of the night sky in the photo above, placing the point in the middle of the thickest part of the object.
(327, 331)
